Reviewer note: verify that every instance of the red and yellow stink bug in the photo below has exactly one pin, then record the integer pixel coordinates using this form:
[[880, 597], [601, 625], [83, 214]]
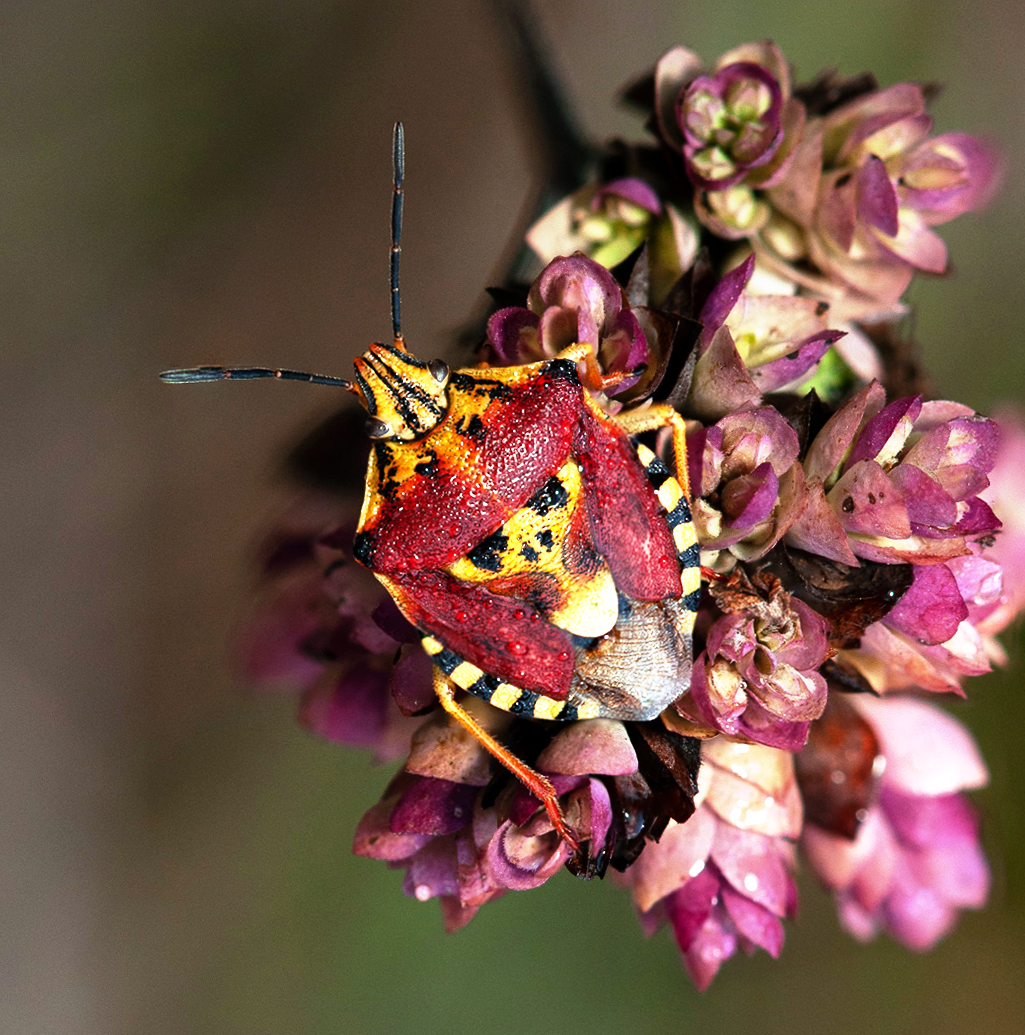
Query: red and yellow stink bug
[[549, 564]]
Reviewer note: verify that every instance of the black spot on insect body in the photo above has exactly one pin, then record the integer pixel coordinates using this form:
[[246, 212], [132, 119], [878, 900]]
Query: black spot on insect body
[[387, 470], [658, 474], [480, 386], [551, 496], [473, 428], [528, 553], [428, 466], [563, 369], [525, 704], [691, 557], [546, 539], [487, 554], [364, 547]]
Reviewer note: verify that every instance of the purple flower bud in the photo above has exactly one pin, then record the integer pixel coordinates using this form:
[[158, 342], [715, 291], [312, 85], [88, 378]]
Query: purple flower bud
[[576, 299], [731, 123], [757, 677]]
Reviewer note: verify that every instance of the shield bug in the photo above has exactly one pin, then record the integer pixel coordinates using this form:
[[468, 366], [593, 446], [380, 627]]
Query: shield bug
[[548, 562]]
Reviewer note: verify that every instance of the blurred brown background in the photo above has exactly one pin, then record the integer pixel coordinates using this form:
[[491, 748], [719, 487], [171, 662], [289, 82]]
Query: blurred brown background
[[209, 182]]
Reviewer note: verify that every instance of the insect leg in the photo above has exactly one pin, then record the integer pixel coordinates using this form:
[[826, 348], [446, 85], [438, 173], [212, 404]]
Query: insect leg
[[581, 352], [537, 784], [661, 415]]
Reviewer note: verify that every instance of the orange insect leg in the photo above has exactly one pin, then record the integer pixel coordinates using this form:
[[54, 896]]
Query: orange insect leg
[[652, 418], [537, 784]]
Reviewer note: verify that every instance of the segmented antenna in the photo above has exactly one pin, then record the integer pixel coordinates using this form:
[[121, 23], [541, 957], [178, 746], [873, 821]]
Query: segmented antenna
[[399, 167], [193, 374]]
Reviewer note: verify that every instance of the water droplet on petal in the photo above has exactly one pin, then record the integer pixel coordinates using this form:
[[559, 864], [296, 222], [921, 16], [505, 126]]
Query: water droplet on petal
[[422, 892], [515, 647], [751, 882]]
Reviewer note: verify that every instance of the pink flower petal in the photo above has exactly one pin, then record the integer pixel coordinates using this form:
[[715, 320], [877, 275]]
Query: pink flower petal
[[867, 502], [916, 243], [772, 376], [950, 174], [678, 856], [673, 72], [876, 196], [818, 529], [375, 839], [689, 907], [750, 498], [832, 442], [721, 383], [348, 709], [432, 871], [432, 806], [754, 865], [754, 922], [927, 751], [932, 609], [446, 751], [714, 943], [884, 435], [723, 298], [837, 860], [513, 335], [519, 862], [633, 190], [592, 746]]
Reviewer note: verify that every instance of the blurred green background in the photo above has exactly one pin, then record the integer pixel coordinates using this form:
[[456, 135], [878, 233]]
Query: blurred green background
[[209, 182]]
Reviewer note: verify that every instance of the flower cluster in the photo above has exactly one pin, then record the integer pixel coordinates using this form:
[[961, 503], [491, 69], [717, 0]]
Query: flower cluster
[[861, 544], [843, 178]]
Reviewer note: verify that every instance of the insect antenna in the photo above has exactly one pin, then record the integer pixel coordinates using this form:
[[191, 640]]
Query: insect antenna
[[193, 374], [398, 174]]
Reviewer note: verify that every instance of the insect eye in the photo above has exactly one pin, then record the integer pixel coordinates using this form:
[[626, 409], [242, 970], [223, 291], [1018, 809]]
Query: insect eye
[[438, 369], [377, 428]]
